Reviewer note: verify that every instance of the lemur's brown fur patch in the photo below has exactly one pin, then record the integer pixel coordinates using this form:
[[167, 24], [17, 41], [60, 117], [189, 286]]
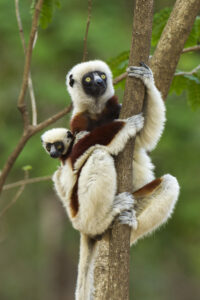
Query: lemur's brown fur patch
[[148, 188], [102, 135], [74, 203], [86, 121], [79, 123]]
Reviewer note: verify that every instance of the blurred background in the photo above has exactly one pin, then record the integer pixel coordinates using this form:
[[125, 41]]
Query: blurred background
[[38, 247]]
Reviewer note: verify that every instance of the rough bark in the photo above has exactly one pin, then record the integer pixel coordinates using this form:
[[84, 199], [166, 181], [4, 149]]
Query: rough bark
[[112, 264], [173, 38]]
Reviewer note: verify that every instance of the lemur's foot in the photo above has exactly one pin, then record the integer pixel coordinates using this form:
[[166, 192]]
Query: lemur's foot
[[123, 202], [128, 217], [144, 73], [136, 122]]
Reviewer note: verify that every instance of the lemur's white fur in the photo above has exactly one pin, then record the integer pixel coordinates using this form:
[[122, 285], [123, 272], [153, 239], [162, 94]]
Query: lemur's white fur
[[56, 135], [94, 216], [97, 181], [161, 206], [80, 100], [154, 112]]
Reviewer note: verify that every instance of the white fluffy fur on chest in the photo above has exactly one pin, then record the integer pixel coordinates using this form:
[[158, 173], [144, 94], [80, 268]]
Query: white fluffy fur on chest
[[64, 180]]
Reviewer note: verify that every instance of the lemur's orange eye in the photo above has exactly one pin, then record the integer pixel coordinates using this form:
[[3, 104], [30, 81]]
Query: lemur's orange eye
[[59, 147], [103, 76], [87, 79]]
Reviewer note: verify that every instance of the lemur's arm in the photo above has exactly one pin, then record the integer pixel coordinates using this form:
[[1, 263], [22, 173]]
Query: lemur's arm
[[154, 109], [113, 136]]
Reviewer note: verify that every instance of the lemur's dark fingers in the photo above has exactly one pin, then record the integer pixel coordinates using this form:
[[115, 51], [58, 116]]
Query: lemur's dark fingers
[[128, 217], [142, 71], [148, 189], [144, 65]]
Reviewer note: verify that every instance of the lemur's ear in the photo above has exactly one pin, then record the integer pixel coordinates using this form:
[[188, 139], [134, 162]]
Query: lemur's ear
[[71, 80], [69, 134]]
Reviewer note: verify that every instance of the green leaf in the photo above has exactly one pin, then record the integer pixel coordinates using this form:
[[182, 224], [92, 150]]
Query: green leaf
[[27, 168], [190, 84], [193, 93], [194, 37], [47, 10], [118, 66], [179, 84], [159, 21]]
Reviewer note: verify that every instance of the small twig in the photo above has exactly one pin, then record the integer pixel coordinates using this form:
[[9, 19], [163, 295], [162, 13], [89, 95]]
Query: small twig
[[51, 120], [189, 49], [87, 30], [30, 84], [27, 65], [33, 101], [17, 195], [19, 22], [25, 182], [195, 70], [120, 78]]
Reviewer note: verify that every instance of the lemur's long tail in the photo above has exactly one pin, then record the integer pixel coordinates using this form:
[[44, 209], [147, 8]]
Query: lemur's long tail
[[84, 287]]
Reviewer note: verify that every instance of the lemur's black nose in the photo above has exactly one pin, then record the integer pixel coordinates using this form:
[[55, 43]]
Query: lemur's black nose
[[99, 81], [54, 154]]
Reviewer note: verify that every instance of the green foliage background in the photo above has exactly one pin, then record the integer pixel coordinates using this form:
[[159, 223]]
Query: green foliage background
[[38, 247]]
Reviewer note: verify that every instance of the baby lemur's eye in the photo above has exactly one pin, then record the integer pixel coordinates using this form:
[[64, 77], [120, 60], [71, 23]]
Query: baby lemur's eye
[[48, 147], [59, 146], [69, 134], [103, 76], [87, 79]]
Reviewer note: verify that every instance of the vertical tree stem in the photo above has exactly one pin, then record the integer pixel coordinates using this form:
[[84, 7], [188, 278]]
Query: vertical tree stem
[[172, 41], [112, 265]]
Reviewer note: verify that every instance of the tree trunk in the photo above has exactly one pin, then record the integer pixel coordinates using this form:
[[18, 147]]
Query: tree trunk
[[172, 41], [111, 275], [112, 264]]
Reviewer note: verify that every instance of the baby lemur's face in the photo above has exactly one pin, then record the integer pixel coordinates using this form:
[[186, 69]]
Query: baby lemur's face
[[57, 141]]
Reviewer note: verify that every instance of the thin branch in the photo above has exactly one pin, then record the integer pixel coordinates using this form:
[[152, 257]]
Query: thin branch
[[28, 57], [189, 49], [87, 30], [17, 195], [30, 84], [33, 101], [51, 120], [25, 182], [19, 22], [119, 78], [195, 70]]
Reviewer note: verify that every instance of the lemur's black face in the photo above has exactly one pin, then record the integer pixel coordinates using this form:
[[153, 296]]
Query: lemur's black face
[[94, 83], [55, 149]]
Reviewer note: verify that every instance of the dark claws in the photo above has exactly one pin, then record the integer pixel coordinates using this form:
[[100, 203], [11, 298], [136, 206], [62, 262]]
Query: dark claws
[[142, 64]]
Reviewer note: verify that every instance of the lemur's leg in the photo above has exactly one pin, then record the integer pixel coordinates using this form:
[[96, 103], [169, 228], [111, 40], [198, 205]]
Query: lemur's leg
[[154, 108], [154, 204], [98, 204]]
